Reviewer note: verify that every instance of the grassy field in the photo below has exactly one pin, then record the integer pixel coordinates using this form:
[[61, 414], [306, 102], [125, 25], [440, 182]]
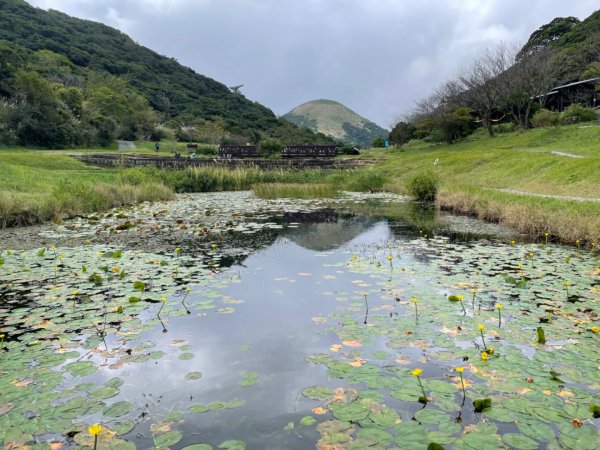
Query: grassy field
[[38, 185], [472, 173]]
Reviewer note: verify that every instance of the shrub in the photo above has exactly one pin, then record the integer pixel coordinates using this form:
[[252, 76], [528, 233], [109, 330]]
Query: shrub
[[270, 147], [349, 149], [508, 127], [545, 118], [206, 150], [577, 113], [423, 186]]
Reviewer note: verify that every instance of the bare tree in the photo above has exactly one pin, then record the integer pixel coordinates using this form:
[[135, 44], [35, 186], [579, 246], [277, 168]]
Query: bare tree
[[442, 109], [528, 81], [481, 84]]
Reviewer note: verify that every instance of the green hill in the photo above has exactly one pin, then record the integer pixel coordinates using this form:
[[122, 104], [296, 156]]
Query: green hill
[[97, 78], [576, 45], [335, 120]]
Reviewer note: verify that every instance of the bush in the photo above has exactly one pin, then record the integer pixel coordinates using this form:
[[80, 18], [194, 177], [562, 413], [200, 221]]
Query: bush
[[508, 127], [545, 118], [577, 113], [270, 147], [423, 186], [206, 150], [349, 149]]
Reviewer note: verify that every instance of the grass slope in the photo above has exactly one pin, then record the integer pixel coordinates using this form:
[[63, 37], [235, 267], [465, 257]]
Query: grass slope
[[472, 172]]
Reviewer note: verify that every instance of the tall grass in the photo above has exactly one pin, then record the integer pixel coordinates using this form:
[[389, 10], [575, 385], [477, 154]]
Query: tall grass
[[209, 179], [71, 198], [566, 221], [294, 190]]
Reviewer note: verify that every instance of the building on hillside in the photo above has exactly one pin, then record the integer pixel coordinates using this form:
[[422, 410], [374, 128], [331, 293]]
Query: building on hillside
[[583, 92]]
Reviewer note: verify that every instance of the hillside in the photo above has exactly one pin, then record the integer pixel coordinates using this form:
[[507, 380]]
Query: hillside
[[85, 56], [334, 119], [576, 45]]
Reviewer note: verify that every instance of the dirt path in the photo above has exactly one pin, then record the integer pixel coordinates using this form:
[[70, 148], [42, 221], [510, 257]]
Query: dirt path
[[558, 197], [568, 155]]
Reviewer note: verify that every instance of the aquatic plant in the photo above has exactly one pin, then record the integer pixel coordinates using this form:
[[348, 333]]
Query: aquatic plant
[[163, 300], [417, 373], [481, 327], [566, 286], [460, 371], [95, 430], [499, 309], [458, 298], [474, 292], [415, 301]]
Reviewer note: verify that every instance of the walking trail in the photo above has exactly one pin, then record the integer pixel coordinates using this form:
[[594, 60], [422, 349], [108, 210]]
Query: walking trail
[[558, 197]]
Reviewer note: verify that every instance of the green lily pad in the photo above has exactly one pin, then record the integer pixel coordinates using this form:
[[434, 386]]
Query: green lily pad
[[193, 376], [351, 412], [520, 441], [233, 445], [308, 421], [167, 439], [118, 409], [319, 393], [250, 379]]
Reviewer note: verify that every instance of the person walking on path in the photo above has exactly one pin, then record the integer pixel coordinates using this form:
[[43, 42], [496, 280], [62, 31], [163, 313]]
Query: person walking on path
[[157, 146]]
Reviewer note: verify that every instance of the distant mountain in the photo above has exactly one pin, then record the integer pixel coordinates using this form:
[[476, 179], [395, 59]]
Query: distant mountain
[[98, 79], [336, 120]]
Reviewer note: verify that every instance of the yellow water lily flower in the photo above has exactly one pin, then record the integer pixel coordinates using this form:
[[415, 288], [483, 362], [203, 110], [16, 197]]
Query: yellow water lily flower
[[416, 372], [95, 429], [163, 299], [414, 300], [484, 356], [498, 306], [595, 330], [480, 327], [460, 369]]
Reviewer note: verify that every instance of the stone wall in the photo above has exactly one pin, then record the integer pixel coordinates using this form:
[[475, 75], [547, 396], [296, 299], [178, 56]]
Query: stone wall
[[165, 162]]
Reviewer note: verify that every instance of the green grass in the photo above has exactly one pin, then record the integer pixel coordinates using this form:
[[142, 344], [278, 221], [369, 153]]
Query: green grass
[[472, 171], [294, 190], [38, 186]]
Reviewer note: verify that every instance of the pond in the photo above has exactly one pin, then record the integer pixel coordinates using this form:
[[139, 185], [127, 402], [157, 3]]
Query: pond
[[226, 321]]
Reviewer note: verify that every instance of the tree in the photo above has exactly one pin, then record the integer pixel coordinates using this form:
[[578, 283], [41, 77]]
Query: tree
[[481, 83], [442, 111], [402, 133], [528, 81], [544, 36], [38, 117]]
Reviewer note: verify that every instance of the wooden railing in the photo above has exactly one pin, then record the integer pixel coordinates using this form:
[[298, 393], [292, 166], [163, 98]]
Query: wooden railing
[[310, 151], [238, 151]]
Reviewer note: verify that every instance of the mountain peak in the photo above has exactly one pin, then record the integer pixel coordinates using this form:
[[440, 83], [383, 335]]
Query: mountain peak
[[336, 120]]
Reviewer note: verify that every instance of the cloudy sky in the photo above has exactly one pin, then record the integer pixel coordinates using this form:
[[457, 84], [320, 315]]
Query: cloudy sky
[[375, 56]]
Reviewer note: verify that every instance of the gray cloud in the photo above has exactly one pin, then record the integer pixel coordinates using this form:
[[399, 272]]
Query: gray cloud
[[375, 56]]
